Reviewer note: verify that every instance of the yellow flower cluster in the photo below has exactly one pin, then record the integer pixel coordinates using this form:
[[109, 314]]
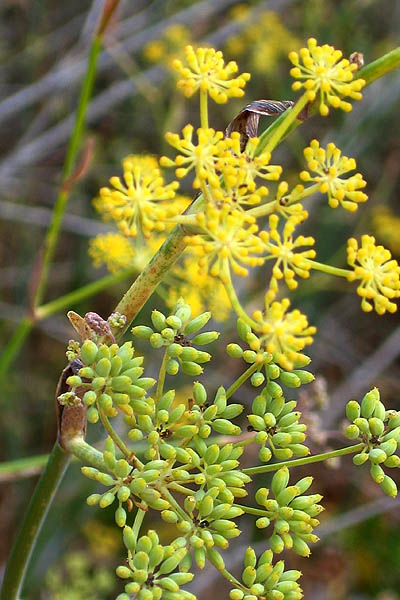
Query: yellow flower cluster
[[139, 200], [228, 239], [284, 334], [112, 249], [264, 42], [326, 73], [207, 71], [378, 272], [282, 249], [286, 204], [169, 46], [328, 167], [387, 227]]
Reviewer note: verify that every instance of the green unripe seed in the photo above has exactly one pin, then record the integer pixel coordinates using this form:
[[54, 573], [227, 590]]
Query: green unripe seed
[[377, 473], [250, 356], [360, 459], [392, 461], [169, 516], [376, 426], [172, 367], [202, 339], [74, 381], [93, 499], [123, 572], [274, 389], [352, 431], [362, 424], [368, 403], [174, 322], [389, 487], [376, 455], [156, 340], [265, 454], [234, 350], [243, 329], [198, 323], [191, 368], [106, 499], [92, 415], [87, 373], [389, 447], [158, 320], [88, 352], [168, 334], [262, 522], [257, 379], [120, 517], [215, 559], [89, 398], [276, 544], [304, 376], [103, 367], [225, 427], [249, 576], [269, 420], [273, 371], [184, 313], [236, 594], [290, 379], [353, 410]]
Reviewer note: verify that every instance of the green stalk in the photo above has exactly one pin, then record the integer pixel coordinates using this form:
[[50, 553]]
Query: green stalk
[[22, 467], [298, 462], [86, 291], [204, 108], [14, 345], [113, 434], [240, 380], [32, 523], [230, 290], [329, 269], [72, 150]]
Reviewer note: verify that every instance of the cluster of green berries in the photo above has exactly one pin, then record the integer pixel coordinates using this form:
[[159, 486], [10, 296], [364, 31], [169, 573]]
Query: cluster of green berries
[[292, 512], [150, 568], [379, 430], [173, 332], [109, 378], [277, 424], [266, 580], [267, 368]]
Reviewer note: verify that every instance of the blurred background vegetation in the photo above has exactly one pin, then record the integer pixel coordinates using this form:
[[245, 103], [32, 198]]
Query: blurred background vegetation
[[43, 54]]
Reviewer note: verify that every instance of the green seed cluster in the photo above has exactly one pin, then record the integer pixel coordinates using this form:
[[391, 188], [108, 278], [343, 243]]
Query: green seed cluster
[[173, 332], [110, 379], [277, 424], [150, 568], [268, 369], [379, 430], [292, 512], [263, 579]]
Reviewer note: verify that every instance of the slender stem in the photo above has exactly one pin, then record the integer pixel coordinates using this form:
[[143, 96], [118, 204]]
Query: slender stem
[[329, 269], [237, 307], [112, 433], [177, 487], [204, 108], [14, 345], [257, 512], [240, 380], [68, 300], [32, 523], [72, 150], [246, 442], [140, 514], [304, 461], [161, 377], [225, 573], [289, 118], [380, 67]]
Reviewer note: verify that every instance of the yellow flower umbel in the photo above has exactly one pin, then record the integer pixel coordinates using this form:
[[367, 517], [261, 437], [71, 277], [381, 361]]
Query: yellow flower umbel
[[328, 166], [140, 199], [113, 250], [326, 73], [378, 272], [228, 240], [387, 226], [284, 334], [282, 248], [206, 70]]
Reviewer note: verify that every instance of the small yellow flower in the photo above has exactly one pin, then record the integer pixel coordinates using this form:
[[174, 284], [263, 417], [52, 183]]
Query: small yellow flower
[[139, 199], [378, 272], [282, 249], [113, 250], [228, 240], [201, 157], [326, 73], [286, 203], [207, 71], [328, 167], [232, 159], [284, 334]]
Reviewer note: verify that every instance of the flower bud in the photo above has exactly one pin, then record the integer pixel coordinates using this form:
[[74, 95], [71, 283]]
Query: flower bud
[[169, 516], [186, 431], [89, 398], [249, 576], [243, 329], [362, 424], [273, 371], [123, 572], [380, 410], [376, 455], [389, 487], [276, 544], [304, 376], [265, 454], [392, 461], [300, 547], [234, 351], [280, 480], [353, 410], [389, 447], [360, 459], [232, 411], [236, 594], [158, 320], [281, 439], [106, 499], [120, 516], [274, 389], [256, 422], [92, 415], [215, 559], [184, 313], [269, 420], [172, 367], [377, 473], [352, 431], [289, 419], [156, 340], [376, 426], [290, 379], [93, 499], [262, 522]]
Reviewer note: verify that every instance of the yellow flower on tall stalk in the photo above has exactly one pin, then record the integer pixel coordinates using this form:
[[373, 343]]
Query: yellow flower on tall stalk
[[206, 70], [283, 248], [284, 334], [228, 240], [140, 200], [324, 72], [328, 167], [378, 272]]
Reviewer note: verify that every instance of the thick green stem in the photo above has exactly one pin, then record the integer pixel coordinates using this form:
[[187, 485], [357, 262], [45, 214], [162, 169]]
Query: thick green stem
[[240, 380], [32, 523], [86, 453], [72, 150], [289, 118], [298, 462]]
